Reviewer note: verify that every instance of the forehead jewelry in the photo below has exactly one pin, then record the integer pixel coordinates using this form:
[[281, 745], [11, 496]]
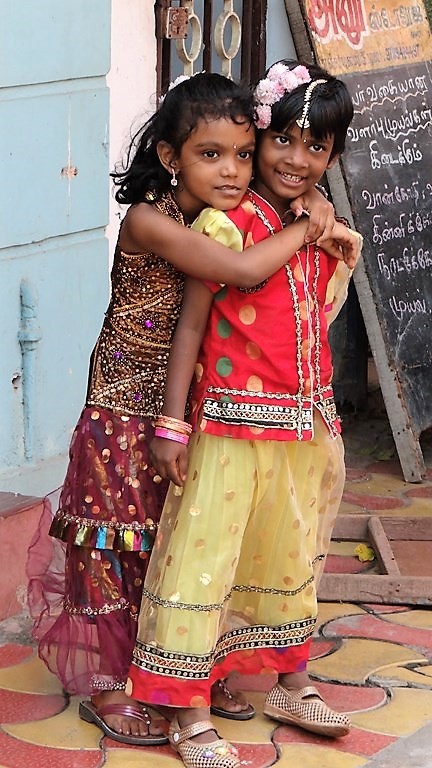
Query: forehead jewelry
[[234, 146], [303, 121]]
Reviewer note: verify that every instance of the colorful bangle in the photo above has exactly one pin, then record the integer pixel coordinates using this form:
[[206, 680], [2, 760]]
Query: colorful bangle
[[168, 434], [176, 425]]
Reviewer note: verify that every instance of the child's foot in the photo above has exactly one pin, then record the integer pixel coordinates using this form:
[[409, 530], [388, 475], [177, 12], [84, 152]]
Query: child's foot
[[305, 708], [229, 703], [123, 719], [193, 736]]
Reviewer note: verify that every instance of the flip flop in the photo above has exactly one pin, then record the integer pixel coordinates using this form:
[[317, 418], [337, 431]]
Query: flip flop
[[89, 713], [244, 714]]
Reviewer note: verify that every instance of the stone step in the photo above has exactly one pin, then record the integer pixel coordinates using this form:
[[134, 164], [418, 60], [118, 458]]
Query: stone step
[[19, 518]]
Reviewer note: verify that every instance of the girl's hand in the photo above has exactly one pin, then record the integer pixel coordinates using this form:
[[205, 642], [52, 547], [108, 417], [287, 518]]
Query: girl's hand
[[320, 211], [344, 244], [170, 459]]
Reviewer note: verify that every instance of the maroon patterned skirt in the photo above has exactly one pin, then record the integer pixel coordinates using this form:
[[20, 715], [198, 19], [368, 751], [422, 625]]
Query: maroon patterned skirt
[[87, 564]]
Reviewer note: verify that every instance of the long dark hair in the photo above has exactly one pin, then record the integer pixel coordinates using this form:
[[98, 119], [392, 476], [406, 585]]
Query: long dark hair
[[330, 110], [204, 96]]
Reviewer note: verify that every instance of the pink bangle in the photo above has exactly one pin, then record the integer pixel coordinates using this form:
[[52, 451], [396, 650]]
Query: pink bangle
[[168, 434]]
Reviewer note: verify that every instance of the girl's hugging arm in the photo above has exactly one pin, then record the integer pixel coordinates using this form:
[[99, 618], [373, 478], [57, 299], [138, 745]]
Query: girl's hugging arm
[[344, 244], [320, 212], [168, 457], [144, 230], [337, 288]]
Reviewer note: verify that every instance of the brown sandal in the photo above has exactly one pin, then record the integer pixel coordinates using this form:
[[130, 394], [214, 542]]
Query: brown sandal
[[91, 714], [305, 707], [214, 754]]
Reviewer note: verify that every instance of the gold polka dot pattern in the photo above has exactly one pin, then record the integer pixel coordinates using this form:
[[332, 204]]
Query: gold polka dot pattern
[[263, 552]]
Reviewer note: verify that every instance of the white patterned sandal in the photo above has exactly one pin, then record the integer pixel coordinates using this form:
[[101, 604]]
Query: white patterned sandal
[[305, 708], [214, 754]]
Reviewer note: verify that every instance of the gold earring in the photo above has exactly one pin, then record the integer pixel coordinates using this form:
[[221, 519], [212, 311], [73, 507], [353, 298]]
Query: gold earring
[[174, 181]]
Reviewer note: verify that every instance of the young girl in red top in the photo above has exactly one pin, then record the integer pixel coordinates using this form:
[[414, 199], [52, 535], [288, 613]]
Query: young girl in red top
[[86, 593], [249, 514]]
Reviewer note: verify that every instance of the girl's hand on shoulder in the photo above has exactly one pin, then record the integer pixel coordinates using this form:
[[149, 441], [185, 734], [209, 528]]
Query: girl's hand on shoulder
[[170, 459], [344, 244], [320, 212]]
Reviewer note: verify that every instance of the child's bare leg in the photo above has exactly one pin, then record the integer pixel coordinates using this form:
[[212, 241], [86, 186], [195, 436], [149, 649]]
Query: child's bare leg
[[295, 679], [189, 716]]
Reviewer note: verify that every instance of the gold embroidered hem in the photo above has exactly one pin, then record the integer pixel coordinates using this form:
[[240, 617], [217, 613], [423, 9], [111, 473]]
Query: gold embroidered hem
[[200, 667], [122, 605], [292, 415]]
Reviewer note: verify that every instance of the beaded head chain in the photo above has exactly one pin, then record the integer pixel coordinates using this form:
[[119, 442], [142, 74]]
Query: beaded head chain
[[280, 80]]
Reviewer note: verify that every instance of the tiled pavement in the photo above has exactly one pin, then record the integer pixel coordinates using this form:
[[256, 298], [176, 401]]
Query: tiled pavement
[[374, 661]]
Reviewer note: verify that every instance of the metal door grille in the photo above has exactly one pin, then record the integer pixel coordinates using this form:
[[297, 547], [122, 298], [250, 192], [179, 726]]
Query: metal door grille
[[226, 36]]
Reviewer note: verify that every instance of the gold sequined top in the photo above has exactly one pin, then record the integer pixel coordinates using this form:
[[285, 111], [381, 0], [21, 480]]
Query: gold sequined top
[[128, 364]]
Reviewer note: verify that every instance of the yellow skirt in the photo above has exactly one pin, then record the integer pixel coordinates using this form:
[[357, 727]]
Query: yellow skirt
[[238, 552]]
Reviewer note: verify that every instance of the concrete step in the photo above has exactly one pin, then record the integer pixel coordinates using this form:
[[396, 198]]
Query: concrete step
[[19, 518]]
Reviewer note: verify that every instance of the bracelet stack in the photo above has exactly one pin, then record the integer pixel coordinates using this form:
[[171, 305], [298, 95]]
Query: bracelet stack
[[172, 429]]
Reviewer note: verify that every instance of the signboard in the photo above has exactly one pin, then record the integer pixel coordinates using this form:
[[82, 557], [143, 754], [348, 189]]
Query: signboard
[[383, 52]]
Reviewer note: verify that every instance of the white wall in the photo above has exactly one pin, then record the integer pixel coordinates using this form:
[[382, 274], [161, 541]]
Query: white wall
[[131, 80]]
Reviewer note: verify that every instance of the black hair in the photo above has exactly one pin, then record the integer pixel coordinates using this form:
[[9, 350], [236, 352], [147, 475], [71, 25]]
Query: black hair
[[205, 96], [330, 110]]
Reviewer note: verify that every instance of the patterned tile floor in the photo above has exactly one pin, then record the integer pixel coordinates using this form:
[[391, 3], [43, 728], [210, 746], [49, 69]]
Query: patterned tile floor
[[373, 661]]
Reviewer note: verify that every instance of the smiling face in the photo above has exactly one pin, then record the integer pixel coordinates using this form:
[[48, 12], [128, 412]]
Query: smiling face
[[214, 166], [289, 164]]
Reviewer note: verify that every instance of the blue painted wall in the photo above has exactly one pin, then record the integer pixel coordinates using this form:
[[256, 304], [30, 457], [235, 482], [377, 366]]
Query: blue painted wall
[[54, 113]]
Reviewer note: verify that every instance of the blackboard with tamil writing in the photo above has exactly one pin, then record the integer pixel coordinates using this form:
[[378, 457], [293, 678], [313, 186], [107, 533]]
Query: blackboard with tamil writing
[[388, 171], [383, 51]]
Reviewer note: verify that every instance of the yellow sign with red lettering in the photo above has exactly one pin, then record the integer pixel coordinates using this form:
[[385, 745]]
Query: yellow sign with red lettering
[[362, 35]]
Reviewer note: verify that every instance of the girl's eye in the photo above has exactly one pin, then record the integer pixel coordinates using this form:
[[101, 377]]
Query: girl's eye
[[317, 148], [281, 139], [246, 155], [211, 153]]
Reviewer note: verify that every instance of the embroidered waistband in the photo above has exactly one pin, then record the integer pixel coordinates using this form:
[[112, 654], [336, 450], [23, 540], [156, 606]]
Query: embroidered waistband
[[291, 418]]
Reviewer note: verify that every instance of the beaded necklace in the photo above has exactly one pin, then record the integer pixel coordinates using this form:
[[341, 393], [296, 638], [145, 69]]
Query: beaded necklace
[[312, 312]]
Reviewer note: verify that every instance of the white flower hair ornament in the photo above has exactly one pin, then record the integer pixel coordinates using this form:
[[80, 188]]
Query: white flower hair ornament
[[279, 81], [177, 81], [173, 83]]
